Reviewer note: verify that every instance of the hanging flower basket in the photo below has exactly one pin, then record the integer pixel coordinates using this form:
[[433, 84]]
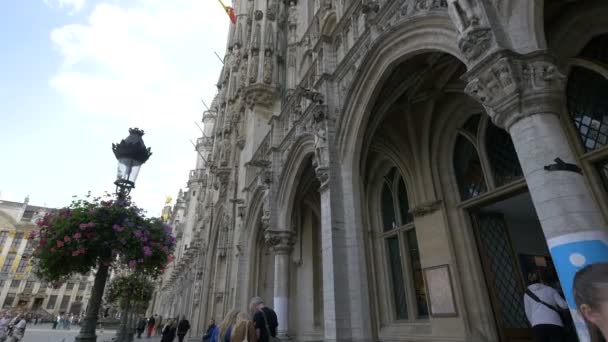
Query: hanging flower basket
[[89, 233]]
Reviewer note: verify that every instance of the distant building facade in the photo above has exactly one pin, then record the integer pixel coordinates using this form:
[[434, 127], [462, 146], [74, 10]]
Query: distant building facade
[[393, 170], [19, 287]]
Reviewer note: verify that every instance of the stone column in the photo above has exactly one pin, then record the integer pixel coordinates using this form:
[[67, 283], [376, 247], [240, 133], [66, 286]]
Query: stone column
[[282, 242], [524, 95]]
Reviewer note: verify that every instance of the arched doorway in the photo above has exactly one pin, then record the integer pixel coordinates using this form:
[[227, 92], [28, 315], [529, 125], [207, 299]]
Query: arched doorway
[[263, 266], [306, 320]]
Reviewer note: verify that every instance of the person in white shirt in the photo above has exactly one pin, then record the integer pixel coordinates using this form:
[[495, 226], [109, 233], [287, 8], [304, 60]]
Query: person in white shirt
[[18, 329], [542, 303]]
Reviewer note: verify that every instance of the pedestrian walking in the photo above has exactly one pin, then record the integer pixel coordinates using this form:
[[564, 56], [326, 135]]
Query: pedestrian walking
[[168, 332], [4, 323], [264, 319], [56, 322], [223, 332], [151, 322], [159, 325], [18, 329], [591, 296], [542, 304], [182, 328], [244, 330], [141, 327], [210, 328]]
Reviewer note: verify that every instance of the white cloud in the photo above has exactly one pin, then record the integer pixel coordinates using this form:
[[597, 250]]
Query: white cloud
[[145, 63], [72, 5]]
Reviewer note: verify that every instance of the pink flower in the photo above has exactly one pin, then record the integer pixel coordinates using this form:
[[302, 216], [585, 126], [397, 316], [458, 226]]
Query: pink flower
[[60, 243], [132, 264], [77, 236], [76, 252], [53, 249], [66, 238], [82, 226], [147, 251], [118, 228]]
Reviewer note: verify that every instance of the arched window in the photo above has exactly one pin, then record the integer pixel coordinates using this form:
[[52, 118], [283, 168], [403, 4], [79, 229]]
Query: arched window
[[502, 166], [587, 97], [402, 255]]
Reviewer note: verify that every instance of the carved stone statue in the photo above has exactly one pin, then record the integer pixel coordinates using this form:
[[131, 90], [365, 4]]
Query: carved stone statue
[[269, 38], [464, 14], [253, 70], [320, 132], [243, 72], [227, 149], [268, 66]]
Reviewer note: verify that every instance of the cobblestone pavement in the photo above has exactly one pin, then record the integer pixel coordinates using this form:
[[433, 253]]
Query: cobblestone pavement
[[44, 333]]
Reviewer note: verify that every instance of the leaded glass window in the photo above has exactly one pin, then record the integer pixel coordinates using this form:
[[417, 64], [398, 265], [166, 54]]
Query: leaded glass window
[[478, 170], [587, 98], [405, 279], [502, 156], [469, 172], [588, 106]]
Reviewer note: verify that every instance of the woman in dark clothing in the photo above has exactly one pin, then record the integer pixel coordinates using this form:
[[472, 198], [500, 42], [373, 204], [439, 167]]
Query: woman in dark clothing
[[182, 328], [141, 327], [169, 332]]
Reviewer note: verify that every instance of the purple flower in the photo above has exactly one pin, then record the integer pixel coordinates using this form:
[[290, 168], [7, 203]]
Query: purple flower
[[118, 228], [147, 251], [137, 234], [132, 263]]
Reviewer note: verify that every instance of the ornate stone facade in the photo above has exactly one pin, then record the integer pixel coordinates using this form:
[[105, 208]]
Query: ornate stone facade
[[355, 148]]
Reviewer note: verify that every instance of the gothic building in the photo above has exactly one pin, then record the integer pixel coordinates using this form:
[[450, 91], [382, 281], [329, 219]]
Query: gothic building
[[393, 170]]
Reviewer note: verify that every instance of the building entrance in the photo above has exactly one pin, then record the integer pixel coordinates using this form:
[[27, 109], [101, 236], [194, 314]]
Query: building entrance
[[511, 245]]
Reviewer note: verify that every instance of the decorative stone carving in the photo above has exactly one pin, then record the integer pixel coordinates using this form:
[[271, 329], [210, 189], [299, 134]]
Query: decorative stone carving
[[281, 241], [508, 82], [243, 73], [475, 42], [321, 155], [253, 69], [265, 220], [260, 94], [426, 208], [475, 36], [271, 12], [269, 38], [370, 6], [256, 41], [268, 66], [258, 15]]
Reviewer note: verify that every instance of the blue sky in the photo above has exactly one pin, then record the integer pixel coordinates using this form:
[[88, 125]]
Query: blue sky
[[76, 74]]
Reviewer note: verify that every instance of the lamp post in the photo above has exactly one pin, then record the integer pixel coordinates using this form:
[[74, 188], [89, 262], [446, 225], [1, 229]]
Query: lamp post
[[131, 154]]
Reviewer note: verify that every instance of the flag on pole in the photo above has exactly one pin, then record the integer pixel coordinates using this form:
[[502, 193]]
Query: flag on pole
[[230, 11]]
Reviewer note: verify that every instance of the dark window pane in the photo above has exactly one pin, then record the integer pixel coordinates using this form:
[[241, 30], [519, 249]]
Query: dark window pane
[[597, 49], [587, 94], [467, 166], [396, 270], [472, 124], [602, 167], [389, 218], [421, 304], [502, 156], [51, 303], [404, 205]]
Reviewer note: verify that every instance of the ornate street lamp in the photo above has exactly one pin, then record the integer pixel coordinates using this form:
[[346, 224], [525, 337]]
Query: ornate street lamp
[[131, 154]]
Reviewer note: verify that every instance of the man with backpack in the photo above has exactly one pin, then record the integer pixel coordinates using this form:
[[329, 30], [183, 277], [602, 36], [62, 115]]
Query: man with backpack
[[543, 305]]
